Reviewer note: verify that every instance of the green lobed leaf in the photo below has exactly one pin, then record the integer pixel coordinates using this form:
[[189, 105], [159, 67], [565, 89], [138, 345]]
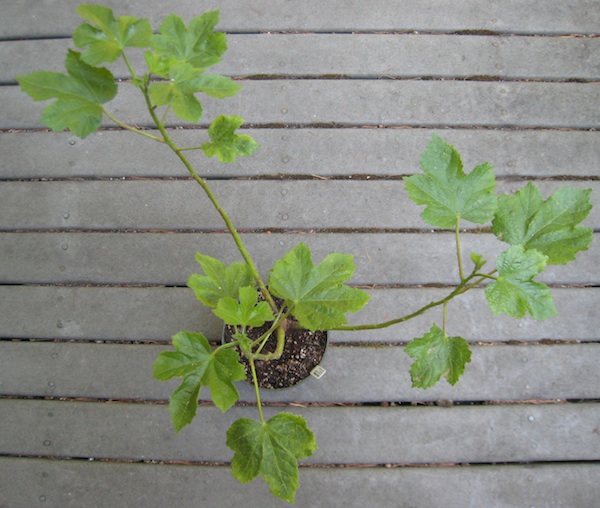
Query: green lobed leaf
[[272, 450], [185, 81], [79, 95], [199, 366], [107, 37], [514, 292], [197, 45], [437, 355], [317, 294], [447, 192], [246, 311], [220, 280], [225, 143], [549, 226]]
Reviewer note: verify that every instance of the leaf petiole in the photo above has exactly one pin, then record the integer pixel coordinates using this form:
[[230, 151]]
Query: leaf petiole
[[132, 129], [458, 249], [256, 389]]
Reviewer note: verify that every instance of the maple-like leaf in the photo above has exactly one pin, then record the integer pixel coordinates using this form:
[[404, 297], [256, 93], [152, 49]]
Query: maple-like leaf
[[107, 36], [317, 294], [246, 311], [515, 292], [271, 450], [437, 355], [225, 143], [184, 82], [79, 95], [197, 45], [199, 366], [220, 280], [447, 192], [549, 226]]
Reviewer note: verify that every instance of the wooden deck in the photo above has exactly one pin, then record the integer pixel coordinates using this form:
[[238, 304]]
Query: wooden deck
[[97, 240]]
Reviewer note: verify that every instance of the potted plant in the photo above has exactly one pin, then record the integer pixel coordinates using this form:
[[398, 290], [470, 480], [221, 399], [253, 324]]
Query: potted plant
[[263, 317]]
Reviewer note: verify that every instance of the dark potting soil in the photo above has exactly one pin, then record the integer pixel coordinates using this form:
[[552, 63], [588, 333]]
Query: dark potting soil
[[302, 352]]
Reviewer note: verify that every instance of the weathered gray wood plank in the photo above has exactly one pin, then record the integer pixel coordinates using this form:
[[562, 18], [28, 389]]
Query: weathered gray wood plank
[[358, 56], [504, 433], [44, 19], [304, 204], [155, 313], [354, 374], [86, 484], [326, 152], [168, 259], [373, 102]]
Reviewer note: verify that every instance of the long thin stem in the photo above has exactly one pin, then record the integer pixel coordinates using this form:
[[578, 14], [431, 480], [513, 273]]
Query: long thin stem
[[463, 287], [256, 389], [458, 250], [230, 227], [132, 129]]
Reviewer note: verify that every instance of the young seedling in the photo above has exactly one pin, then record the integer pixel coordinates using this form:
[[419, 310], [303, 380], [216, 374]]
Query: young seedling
[[539, 232]]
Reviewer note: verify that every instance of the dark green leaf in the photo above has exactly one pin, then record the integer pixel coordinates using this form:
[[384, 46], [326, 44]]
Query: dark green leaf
[[246, 311], [183, 404], [317, 294], [515, 293], [198, 45], [550, 226], [437, 355], [220, 280], [271, 449], [80, 95], [225, 143], [107, 37], [449, 194]]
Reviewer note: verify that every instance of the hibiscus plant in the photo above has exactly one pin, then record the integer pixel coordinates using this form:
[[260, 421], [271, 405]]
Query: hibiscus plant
[[537, 232]]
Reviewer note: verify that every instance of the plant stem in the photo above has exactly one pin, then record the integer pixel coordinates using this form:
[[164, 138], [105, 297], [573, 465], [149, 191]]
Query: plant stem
[[458, 250], [132, 129], [445, 316], [461, 288], [230, 227], [256, 389]]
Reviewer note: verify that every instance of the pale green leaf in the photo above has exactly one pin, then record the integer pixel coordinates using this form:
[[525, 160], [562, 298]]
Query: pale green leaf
[[199, 45], [271, 450], [199, 366], [79, 95], [317, 294], [246, 311], [225, 143], [549, 226], [107, 37], [437, 355], [220, 280], [448, 193], [515, 292]]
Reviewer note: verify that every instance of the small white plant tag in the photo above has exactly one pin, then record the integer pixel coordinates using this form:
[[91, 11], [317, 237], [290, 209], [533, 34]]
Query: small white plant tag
[[318, 372]]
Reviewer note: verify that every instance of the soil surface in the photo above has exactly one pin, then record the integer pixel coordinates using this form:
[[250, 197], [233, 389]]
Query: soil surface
[[302, 352]]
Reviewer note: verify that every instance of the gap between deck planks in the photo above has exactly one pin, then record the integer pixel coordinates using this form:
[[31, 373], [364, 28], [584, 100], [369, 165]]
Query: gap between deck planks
[[323, 152], [346, 435], [356, 374], [404, 56], [155, 314], [504, 16]]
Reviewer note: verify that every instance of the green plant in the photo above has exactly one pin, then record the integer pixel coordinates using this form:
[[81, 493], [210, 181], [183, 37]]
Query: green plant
[[539, 233]]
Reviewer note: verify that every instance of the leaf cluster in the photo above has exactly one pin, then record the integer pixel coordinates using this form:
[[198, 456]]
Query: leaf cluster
[[540, 233], [177, 58]]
